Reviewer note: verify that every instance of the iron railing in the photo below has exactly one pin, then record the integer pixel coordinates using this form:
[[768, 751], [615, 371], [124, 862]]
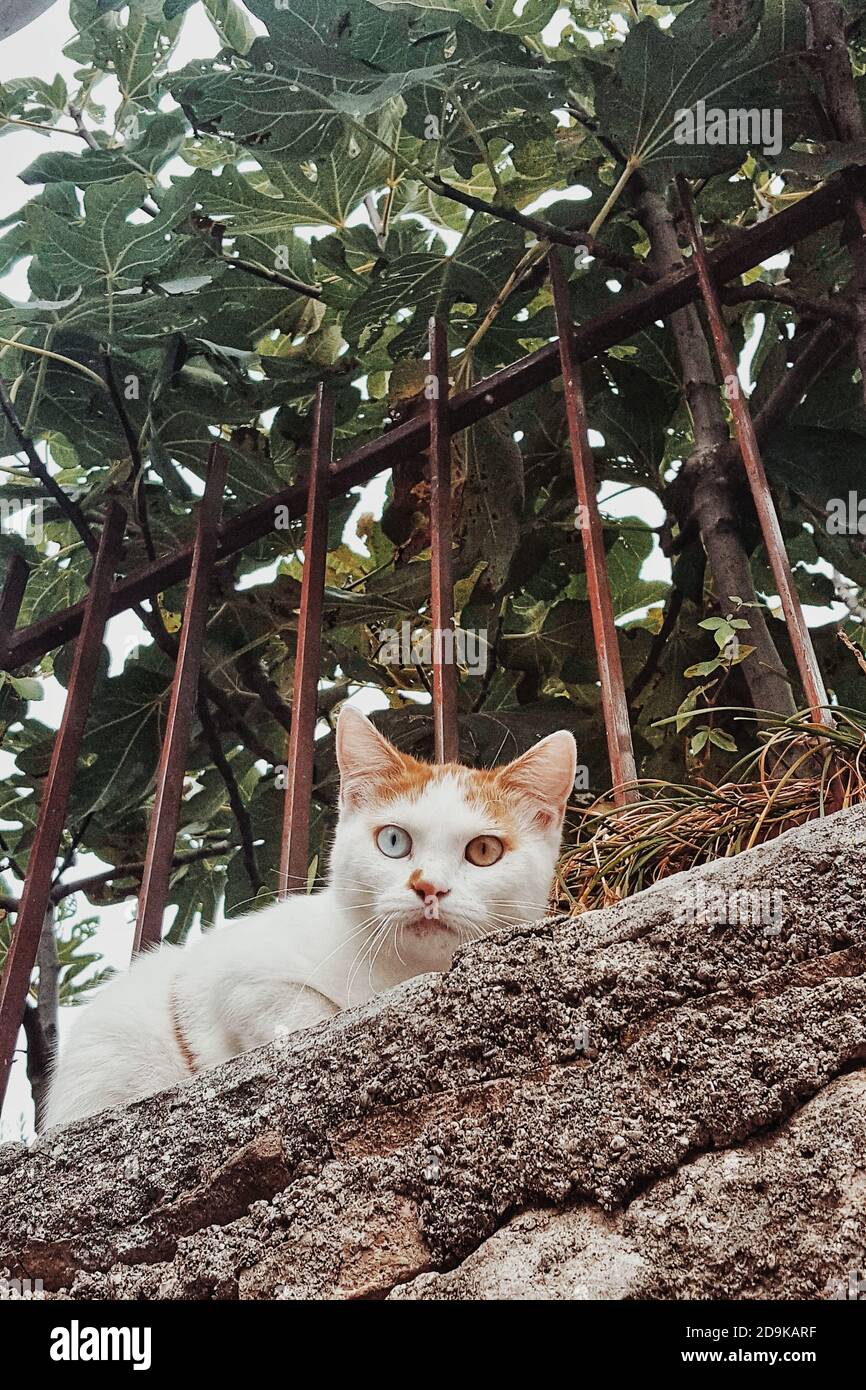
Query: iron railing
[[430, 431]]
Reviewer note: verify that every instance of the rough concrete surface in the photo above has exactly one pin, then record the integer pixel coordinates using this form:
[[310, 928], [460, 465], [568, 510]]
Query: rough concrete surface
[[633, 1104]]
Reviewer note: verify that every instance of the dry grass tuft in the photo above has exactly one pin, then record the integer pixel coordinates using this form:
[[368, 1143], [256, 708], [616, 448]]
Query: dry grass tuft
[[804, 769]]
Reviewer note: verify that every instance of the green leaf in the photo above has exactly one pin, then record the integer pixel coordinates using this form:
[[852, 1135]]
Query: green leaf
[[108, 247], [497, 16], [704, 668], [32, 99], [26, 687], [427, 284], [160, 139], [173, 9], [632, 544], [288, 195], [723, 740], [292, 112], [818, 463], [231, 23], [541, 639], [657, 75], [783, 26]]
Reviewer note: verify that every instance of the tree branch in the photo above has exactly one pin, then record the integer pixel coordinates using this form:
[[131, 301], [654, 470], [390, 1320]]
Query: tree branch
[[40, 1021], [81, 128], [138, 479], [806, 307], [131, 870], [267, 692], [69, 857], [823, 348], [659, 642], [151, 618], [134, 870], [273, 277], [705, 482], [545, 231], [10, 860], [47, 1007], [167, 643], [830, 52], [38, 470], [236, 802], [39, 1059], [212, 233]]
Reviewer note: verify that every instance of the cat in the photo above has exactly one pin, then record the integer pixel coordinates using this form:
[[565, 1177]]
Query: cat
[[424, 858]]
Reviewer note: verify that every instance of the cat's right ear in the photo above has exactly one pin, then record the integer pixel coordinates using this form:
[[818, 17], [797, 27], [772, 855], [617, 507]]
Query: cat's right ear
[[364, 756]]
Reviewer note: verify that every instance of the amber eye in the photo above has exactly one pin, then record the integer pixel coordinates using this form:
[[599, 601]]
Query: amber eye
[[394, 841], [484, 850]]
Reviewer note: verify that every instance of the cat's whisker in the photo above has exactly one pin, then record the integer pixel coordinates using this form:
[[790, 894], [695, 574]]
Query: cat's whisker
[[517, 902], [342, 882], [477, 930], [351, 907], [504, 918], [354, 968], [244, 903], [361, 928], [371, 896], [384, 936], [375, 944], [364, 948], [397, 944], [325, 880]]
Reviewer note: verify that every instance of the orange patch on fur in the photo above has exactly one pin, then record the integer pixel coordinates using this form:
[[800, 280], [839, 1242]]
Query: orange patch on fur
[[484, 787]]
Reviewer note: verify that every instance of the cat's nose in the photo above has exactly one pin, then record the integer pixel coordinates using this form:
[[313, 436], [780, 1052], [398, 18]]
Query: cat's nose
[[425, 889]]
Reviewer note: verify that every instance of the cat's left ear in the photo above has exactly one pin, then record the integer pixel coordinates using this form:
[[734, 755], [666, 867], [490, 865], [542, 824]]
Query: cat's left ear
[[364, 756], [544, 776]]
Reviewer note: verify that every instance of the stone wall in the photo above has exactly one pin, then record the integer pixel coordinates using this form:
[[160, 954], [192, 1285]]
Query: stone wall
[[631, 1104]]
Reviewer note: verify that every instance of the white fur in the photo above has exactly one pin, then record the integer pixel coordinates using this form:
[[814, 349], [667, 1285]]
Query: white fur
[[303, 960]]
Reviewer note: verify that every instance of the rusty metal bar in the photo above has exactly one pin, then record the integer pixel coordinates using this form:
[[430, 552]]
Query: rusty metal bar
[[308, 657], [445, 739], [172, 759], [10, 603], [34, 904], [616, 325], [614, 704], [744, 430]]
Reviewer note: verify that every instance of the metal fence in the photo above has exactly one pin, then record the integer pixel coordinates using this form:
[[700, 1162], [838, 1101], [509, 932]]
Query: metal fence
[[701, 279]]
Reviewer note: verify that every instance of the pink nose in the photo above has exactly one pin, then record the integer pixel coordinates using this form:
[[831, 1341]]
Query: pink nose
[[429, 895], [428, 891]]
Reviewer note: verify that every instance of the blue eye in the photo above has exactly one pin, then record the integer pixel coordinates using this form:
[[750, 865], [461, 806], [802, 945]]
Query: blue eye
[[394, 841]]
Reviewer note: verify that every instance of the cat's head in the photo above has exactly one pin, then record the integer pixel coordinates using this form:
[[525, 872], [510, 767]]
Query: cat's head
[[438, 855]]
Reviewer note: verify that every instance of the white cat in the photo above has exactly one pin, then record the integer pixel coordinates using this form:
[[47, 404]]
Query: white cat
[[424, 858]]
